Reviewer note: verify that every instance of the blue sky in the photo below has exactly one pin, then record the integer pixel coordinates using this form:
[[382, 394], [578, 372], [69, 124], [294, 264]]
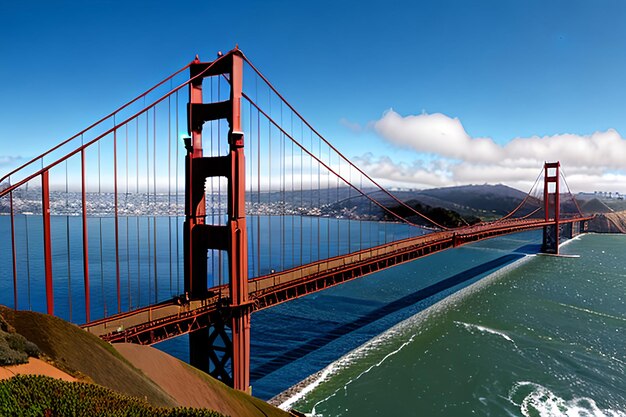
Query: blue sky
[[382, 80]]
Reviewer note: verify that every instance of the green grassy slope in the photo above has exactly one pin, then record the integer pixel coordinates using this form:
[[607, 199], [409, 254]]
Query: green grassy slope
[[84, 355]]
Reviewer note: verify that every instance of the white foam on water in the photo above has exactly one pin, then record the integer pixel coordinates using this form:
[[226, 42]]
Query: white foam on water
[[483, 329], [568, 241], [351, 357], [538, 401], [597, 313]]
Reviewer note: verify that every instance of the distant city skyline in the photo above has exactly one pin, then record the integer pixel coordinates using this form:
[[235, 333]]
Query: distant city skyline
[[418, 94]]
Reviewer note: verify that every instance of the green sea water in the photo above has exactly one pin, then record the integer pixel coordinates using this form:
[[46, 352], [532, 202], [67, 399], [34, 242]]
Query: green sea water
[[545, 336]]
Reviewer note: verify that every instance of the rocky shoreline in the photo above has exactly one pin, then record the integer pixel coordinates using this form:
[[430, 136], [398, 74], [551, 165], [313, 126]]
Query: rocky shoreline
[[279, 399]]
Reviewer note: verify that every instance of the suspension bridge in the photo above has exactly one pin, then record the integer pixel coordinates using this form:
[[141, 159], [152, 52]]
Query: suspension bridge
[[140, 236]]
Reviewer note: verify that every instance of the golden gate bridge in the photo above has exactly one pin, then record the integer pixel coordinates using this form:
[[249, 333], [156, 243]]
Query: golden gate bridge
[[293, 218]]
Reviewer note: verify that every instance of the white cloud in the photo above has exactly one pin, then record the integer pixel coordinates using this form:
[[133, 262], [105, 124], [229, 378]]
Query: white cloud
[[591, 162], [415, 175], [437, 134]]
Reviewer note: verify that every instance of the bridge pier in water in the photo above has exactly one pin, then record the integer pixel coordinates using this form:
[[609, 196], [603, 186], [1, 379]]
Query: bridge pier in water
[[222, 349], [552, 201]]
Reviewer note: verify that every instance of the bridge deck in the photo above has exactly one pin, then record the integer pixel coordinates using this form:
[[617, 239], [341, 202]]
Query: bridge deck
[[169, 319]]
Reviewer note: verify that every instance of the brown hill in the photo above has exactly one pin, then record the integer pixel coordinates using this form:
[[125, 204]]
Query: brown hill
[[137, 371], [609, 223], [191, 387], [84, 356]]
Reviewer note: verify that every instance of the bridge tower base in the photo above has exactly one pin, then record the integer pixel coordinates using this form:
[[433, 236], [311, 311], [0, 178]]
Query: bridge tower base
[[552, 201], [223, 349]]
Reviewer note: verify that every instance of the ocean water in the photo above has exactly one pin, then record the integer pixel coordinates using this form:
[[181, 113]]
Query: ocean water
[[544, 336], [150, 257], [294, 340]]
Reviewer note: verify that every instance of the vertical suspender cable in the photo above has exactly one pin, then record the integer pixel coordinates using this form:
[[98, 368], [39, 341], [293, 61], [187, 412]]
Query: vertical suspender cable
[[85, 238], [137, 215], [30, 307], [177, 226], [67, 236], [361, 218], [14, 257], [169, 183], [258, 223], [149, 240], [269, 189], [282, 199], [130, 304], [104, 301], [293, 196], [117, 243], [319, 195], [349, 212], [282, 189], [337, 210], [154, 202]]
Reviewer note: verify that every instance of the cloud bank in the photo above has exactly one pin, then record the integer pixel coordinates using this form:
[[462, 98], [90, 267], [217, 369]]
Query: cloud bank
[[591, 162]]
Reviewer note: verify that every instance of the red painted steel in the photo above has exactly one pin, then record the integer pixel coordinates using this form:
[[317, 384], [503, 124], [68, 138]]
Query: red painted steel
[[47, 246], [85, 237], [117, 235], [208, 312], [552, 207], [238, 241], [14, 257], [195, 262]]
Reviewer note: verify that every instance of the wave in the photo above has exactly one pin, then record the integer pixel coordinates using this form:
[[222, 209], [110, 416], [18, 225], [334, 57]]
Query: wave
[[596, 313], [309, 384], [484, 329], [538, 401]]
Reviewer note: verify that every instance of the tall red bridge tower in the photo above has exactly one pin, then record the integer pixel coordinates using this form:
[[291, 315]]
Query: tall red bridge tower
[[552, 202], [226, 342]]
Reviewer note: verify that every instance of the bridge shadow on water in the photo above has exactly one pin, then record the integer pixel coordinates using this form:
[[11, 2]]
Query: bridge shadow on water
[[399, 304]]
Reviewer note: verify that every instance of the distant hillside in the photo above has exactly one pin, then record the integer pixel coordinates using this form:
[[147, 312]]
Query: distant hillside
[[439, 215], [497, 199], [594, 206], [469, 201], [609, 223]]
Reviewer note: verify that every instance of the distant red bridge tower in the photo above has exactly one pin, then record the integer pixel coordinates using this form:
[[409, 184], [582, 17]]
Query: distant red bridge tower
[[552, 201]]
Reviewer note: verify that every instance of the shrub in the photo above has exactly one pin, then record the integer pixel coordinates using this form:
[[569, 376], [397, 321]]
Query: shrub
[[14, 348], [9, 356], [34, 395]]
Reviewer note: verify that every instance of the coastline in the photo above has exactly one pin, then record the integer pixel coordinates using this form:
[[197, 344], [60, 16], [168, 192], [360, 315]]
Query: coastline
[[293, 394]]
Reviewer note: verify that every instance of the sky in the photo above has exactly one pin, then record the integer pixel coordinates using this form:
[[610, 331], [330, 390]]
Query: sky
[[419, 94]]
